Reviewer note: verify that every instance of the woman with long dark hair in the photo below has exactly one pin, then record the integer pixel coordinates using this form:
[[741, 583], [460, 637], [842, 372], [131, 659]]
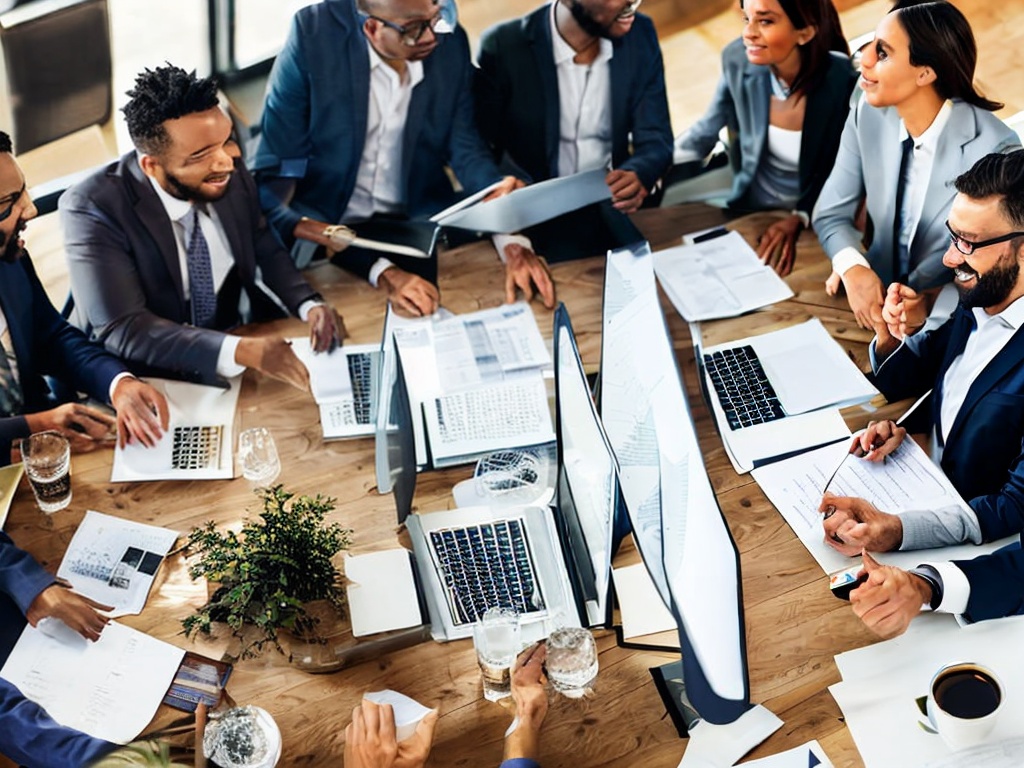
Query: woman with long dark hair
[[784, 94], [920, 124]]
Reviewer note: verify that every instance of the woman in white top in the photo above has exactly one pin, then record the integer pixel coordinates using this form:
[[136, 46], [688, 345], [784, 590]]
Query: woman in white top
[[784, 95], [921, 119]]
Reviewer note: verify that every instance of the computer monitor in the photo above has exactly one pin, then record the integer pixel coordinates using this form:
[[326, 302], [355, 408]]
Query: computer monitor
[[588, 488], [395, 443]]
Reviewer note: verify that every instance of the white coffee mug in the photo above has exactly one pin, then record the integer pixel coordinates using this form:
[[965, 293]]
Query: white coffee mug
[[964, 701]]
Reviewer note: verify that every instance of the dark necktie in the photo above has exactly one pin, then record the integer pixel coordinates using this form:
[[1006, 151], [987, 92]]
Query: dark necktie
[[200, 276], [11, 401], [900, 254]]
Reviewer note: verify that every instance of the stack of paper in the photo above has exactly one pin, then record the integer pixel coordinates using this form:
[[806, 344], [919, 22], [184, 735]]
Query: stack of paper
[[722, 277]]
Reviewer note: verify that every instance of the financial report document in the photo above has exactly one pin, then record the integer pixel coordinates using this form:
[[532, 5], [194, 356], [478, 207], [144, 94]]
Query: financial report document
[[907, 480], [716, 278]]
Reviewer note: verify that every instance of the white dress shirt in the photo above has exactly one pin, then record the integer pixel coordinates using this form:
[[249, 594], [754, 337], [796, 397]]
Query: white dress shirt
[[379, 180], [221, 262], [919, 172]]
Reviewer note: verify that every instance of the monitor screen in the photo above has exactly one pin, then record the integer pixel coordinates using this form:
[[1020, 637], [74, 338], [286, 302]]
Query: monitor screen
[[395, 444], [588, 483]]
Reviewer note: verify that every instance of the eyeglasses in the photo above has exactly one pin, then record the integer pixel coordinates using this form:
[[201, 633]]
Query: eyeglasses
[[10, 201], [629, 9], [966, 247], [413, 31]]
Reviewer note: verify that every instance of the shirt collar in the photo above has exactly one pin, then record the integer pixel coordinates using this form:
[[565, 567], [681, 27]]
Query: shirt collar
[[415, 68], [176, 209], [564, 52], [1012, 317], [930, 138]]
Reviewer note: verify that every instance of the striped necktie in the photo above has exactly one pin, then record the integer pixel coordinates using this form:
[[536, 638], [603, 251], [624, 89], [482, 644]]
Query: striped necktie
[[200, 276], [11, 400]]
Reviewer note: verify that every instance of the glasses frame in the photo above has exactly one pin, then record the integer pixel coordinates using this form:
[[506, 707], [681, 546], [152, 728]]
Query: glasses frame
[[971, 247], [6, 212], [414, 30]]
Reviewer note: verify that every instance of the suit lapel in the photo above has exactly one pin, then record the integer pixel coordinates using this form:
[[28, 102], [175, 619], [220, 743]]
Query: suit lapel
[[19, 320], [154, 217], [231, 214], [620, 68], [538, 32], [959, 131], [757, 85], [422, 95]]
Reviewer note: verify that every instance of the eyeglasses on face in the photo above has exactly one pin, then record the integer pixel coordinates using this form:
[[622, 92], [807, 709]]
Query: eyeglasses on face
[[967, 247], [414, 30], [7, 203]]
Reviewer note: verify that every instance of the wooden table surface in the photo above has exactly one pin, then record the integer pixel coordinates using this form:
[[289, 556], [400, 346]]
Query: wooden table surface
[[794, 626]]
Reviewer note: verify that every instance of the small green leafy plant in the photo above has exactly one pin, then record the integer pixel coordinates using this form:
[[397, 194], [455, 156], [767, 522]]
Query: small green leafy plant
[[269, 570]]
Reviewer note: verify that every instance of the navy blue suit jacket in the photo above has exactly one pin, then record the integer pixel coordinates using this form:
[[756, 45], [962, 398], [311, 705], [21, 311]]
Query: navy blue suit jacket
[[983, 455], [517, 98], [315, 115], [46, 345]]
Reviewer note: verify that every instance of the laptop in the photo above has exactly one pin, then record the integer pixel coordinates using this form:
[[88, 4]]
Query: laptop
[[346, 386], [779, 392], [551, 564]]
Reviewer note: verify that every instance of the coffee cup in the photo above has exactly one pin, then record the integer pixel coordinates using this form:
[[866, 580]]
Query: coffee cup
[[964, 700]]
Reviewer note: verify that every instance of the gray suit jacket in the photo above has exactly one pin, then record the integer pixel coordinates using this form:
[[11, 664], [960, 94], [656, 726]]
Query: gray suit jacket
[[126, 275], [741, 103], [869, 161]]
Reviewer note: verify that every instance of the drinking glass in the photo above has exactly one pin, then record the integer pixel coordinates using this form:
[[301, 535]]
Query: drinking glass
[[496, 639], [572, 661], [47, 459], [258, 456]]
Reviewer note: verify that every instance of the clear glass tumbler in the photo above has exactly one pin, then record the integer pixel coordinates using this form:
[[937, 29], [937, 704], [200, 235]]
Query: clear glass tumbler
[[496, 639], [47, 459], [572, 661], [258, 456]]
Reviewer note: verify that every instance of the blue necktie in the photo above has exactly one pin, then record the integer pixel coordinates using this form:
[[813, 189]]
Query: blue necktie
[[901, 255], [200, 276]]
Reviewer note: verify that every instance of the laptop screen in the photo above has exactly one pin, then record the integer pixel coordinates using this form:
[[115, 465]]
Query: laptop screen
[[588, 482], [395, 444]]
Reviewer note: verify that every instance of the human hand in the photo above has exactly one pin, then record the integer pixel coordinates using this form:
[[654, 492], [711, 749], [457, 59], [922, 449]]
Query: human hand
[[890, 598], [86, 428], [865, 293], [904, 311], [326, 328], [531, 702], [77, 611], [410, 294], [370, 740], [853, 525], [524, 269], [628, 192], [273, 356], [334, 237], [777, 246], [142, 412], [832, 284], [877, 441], [506, 186]]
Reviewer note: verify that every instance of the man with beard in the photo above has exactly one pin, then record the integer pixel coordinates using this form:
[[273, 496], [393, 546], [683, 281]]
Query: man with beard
[[974, 363], [36, 342], [164, 246], [577, 85], [368, 112]]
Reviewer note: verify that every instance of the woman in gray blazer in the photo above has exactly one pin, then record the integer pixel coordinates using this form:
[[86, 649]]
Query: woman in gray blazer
[[784, 94], [920, 119]]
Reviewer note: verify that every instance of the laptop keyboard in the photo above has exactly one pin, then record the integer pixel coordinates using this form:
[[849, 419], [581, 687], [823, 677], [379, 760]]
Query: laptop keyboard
[[743, 389], [360, 368], [486, 566]]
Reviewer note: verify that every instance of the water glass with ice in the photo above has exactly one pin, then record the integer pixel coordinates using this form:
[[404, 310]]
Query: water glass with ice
[[496, 639], [258, 456], [47, 459], [572, 661]]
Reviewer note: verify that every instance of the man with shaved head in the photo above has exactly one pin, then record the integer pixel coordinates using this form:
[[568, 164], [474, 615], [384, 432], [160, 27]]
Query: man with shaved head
[[368, 106]]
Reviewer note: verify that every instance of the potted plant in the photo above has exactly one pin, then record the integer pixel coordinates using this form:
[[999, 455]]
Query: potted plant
[[265, 576]]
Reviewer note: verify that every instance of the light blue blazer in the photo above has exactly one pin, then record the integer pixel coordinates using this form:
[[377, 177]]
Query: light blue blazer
[[868, 162]]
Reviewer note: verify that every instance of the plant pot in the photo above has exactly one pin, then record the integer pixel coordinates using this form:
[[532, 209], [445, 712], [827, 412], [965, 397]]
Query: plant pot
[[326, 648]]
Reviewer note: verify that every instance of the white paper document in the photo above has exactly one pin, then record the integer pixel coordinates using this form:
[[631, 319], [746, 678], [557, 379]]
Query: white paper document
[[640, 605], [114, 561], [381, 592], [809, 755], [881, 683], [408, 712], [10, 476], [109, 689], [908, 479], [198, 444], [722, 277], [714, 746], [346, 386], [532, 204]]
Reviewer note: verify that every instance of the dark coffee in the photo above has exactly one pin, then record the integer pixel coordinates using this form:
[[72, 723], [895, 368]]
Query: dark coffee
[[967, 693]]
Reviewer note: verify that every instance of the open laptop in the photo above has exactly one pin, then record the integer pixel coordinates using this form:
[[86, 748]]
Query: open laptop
[[346, 386], [779, 392], [551, 564]]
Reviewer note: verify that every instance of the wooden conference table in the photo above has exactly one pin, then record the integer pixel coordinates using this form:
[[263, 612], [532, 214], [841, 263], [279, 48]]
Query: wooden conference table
[[794, 626]]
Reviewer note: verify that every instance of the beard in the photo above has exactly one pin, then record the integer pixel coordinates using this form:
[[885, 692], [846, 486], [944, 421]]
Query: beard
[[992, 288], [11, 250], [183, 191], [587, 22]]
